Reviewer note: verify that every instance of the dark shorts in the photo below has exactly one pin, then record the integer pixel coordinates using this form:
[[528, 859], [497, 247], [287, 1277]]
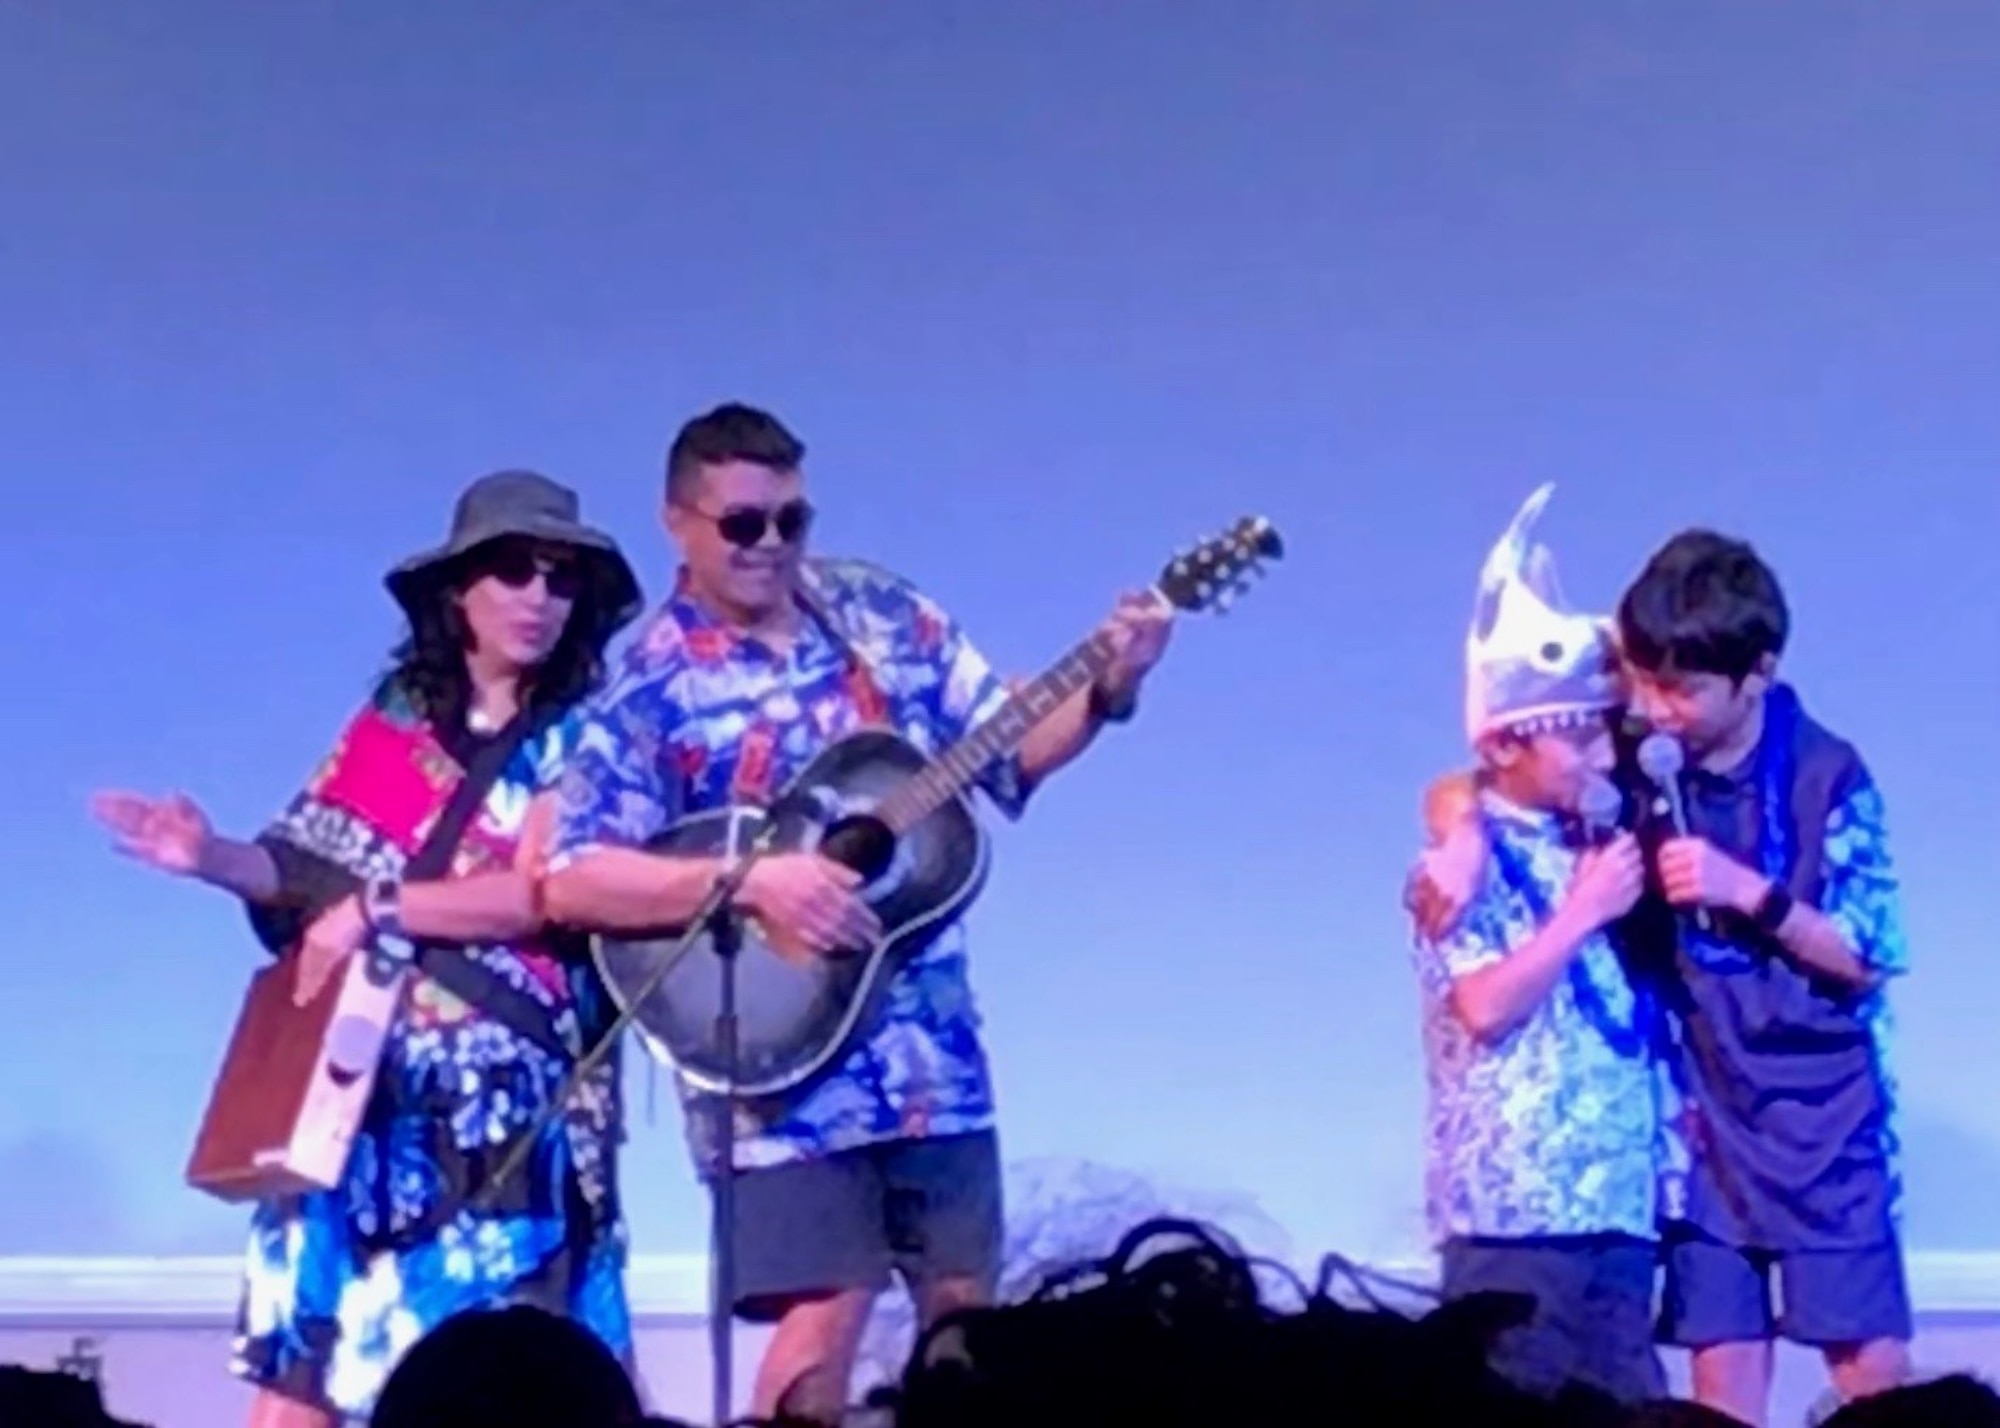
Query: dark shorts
[[1593, 1319], [923, 1209], [1718, 1294]]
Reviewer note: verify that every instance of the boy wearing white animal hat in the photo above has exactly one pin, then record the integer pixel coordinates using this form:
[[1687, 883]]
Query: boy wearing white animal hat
[[1544, 1120]]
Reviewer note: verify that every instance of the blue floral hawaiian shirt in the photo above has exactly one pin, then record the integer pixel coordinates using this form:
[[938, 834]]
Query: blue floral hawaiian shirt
[[698, 717], [1555, 1129]]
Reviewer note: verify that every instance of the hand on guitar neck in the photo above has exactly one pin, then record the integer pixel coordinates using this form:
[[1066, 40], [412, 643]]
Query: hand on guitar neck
[[805, 905]]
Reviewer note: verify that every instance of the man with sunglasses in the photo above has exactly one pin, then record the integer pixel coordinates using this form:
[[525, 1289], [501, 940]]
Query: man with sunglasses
[[760, 658]]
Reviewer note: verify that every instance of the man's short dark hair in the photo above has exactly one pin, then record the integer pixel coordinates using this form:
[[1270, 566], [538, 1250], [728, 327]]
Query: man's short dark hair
[[1705, 604], [731, 432]]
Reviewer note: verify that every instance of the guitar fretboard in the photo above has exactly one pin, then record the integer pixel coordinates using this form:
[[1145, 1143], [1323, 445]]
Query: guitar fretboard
[[959, 767]]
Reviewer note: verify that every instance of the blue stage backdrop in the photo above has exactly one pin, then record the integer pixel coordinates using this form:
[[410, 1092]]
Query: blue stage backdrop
[[1049, 289]]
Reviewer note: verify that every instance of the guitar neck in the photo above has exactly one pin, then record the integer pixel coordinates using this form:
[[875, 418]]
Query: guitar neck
[[959, 767]]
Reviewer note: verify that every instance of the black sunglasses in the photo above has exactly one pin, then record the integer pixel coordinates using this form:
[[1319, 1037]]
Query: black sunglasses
[[516, 567], [744, 526]]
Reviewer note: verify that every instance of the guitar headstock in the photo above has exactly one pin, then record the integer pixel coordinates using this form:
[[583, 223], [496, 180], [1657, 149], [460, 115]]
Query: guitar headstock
[[1214, 572]]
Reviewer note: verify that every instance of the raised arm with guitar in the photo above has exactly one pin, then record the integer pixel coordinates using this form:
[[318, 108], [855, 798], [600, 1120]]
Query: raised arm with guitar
[[903, 822]]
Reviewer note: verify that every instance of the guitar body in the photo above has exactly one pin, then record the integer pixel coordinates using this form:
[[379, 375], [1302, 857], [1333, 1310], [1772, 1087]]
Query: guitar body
[[797, 1016]]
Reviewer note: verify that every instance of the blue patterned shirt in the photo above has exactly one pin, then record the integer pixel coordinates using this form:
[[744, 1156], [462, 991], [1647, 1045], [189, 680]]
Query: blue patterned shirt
[[1554, 1129], [1863, 897], [697, 718]]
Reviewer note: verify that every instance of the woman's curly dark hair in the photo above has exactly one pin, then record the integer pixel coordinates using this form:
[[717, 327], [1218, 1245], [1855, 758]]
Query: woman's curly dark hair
[[428, 664]]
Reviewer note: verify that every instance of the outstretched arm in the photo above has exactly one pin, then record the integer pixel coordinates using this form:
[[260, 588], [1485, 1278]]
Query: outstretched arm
[[246, 870], [175, 836]]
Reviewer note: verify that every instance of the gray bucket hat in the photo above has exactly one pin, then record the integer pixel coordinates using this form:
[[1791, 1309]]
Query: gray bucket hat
[[522, 504]]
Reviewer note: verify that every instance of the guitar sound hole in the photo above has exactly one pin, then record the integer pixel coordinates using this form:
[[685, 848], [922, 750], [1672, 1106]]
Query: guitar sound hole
[[861, 843]]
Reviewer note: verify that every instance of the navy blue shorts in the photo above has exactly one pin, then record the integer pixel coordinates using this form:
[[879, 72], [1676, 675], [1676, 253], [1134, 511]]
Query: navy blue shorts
[[1719, 1294], [923, 1209], [1593, 1320]]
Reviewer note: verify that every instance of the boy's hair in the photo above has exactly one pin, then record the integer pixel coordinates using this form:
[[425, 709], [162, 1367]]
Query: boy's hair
[[1704, 604]]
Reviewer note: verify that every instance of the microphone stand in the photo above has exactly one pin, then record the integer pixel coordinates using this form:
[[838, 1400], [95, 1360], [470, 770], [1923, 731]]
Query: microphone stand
[[716, 916], [727, 939]]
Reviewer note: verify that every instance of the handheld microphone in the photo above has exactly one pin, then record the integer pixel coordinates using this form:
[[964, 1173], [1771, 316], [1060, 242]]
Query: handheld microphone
[[1598, 809], [1661, 760]]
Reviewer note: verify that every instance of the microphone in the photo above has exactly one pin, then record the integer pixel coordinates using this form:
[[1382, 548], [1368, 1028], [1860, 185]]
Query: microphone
[[1661, 760], [1598, 809]]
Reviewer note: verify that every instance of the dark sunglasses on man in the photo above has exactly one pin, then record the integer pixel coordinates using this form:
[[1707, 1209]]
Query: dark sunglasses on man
[[744, 526]]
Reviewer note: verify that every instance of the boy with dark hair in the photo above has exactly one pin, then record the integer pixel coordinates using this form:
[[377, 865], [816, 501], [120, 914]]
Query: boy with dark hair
[[1541, 1170], [1784, 1023]]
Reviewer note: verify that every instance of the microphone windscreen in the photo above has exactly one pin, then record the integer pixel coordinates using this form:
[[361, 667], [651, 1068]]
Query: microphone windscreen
[[1660, 757], [1600, 804]]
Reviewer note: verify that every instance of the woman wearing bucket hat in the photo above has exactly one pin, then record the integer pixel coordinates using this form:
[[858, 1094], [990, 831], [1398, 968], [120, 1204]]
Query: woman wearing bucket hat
[[507, 627]]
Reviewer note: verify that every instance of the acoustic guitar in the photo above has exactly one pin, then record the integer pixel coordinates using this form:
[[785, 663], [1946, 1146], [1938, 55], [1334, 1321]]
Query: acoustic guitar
[[902, 820]]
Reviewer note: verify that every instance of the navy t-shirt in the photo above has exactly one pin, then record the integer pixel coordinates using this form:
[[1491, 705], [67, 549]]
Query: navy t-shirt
[[1791, 1126]]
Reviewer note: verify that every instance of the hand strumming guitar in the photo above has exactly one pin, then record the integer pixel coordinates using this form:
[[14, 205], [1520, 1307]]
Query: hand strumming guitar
[[806, 905]]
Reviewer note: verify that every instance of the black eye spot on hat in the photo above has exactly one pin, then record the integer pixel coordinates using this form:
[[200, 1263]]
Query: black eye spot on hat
[[1552, 652]]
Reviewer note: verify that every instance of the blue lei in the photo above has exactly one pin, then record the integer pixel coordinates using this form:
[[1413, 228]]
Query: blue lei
[[1626, 1038], [1772, 774]]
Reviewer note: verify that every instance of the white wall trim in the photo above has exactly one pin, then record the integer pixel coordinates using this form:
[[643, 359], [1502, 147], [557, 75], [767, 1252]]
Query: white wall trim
[[203, 1289]]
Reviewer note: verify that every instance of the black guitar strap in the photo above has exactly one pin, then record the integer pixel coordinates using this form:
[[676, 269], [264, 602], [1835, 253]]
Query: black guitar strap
[[473, 982], [447, 964]]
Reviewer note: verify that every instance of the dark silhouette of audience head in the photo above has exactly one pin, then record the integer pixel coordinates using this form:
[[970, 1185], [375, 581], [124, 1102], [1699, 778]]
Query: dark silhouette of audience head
[[1956, 1401], [519, 1367], [1678, 1413], [46, 1399]]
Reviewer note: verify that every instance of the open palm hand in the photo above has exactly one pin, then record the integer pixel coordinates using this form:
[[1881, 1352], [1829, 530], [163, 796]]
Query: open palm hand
[[171, 834]]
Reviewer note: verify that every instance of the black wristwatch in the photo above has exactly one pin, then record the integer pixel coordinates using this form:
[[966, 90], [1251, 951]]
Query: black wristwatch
[[1110, 709], [382, 907], [1773, 908]]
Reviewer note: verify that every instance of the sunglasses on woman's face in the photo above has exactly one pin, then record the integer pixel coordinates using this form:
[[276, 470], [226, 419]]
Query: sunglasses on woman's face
[[516, 567], [744, 526]]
